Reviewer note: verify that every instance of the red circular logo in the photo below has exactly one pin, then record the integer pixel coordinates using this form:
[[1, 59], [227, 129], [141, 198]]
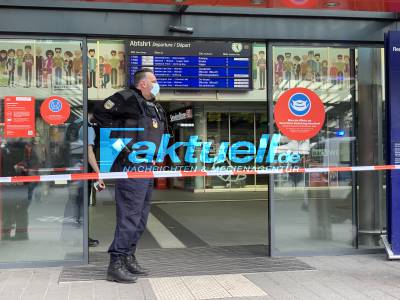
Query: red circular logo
[[299, 114], [55, 110]]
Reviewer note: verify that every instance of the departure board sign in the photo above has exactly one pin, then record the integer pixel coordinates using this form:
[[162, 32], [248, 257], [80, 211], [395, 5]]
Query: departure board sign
[[193, 64]]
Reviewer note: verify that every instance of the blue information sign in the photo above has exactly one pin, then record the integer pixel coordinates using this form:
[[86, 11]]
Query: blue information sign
[[195, 64], [392, 51]]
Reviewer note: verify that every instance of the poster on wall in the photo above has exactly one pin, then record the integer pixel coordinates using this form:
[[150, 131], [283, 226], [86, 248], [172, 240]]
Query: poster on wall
[[42, 67], [106, 68], [259, 65], [326, 69], [19, 117]]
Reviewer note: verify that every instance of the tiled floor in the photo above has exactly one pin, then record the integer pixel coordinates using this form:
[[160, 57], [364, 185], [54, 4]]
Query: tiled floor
[[333, 277]]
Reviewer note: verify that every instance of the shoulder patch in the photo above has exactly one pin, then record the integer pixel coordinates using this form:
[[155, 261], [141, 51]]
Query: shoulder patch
[[109, 104]]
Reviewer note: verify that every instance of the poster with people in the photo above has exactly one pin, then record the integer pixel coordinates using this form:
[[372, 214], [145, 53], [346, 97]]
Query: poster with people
[[106, 68], [318, 68], [259, 65], [40, 67], [327, 72]]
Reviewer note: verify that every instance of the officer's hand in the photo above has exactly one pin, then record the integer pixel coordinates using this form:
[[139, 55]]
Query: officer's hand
[[102, 184]]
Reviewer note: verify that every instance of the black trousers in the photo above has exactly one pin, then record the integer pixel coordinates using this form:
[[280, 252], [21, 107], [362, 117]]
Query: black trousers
[[133, 198]]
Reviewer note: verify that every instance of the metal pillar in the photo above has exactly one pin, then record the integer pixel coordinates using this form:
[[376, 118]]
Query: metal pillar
[[369, 143]]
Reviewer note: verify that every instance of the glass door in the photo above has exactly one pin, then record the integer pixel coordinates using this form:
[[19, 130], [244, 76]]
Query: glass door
[[320, 212], [315, 212]]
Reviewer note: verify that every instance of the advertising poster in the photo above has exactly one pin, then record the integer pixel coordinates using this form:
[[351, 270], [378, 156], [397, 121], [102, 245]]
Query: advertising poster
[[259, 65], [40, 68], [325, 69], [19, 117], [106, 68], [326, 73]]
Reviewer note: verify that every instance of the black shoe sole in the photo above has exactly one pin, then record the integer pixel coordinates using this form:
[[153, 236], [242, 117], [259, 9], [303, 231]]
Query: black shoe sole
[[93, 243], [145, 273], [119, 281]]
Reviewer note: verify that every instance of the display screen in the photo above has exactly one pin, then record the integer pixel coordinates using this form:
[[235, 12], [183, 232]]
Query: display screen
[[193, 64]]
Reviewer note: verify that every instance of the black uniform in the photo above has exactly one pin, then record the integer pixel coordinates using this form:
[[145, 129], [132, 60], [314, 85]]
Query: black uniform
[[128, 109]]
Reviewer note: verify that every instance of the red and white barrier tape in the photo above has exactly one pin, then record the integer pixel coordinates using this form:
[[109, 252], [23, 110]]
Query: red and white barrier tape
[[160, 174]]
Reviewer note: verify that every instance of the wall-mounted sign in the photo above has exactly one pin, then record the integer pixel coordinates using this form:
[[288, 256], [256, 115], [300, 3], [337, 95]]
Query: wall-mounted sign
[[179, 64], [55, 110], [392, 63], [299, 114], [19, 117], [181, 115]]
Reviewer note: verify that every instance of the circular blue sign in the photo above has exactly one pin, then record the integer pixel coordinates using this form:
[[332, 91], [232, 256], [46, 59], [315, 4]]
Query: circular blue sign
[[55, 105], [299, 104]]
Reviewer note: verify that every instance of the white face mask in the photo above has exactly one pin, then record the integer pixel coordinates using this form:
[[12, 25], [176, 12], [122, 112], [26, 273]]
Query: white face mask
[[155, 89]]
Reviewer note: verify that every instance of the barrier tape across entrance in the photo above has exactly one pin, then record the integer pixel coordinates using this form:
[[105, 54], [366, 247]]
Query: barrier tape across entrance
[[161, 174]]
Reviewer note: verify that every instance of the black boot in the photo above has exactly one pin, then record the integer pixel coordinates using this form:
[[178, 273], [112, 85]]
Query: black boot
[[93, 242], [133, 266], [118, 272]]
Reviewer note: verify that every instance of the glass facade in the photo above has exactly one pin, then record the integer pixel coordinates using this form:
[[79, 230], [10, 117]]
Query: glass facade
[[311, 212], [41, 221]]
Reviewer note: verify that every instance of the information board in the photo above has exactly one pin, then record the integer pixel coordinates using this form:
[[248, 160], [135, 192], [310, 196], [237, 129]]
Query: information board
[[193, 64], [19, 117], [392, 67]]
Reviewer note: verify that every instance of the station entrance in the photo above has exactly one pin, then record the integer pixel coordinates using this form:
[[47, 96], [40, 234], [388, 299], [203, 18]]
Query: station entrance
[[192, 212]]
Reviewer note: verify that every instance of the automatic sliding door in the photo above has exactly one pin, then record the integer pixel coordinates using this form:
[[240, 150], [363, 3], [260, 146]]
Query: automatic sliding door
[[315, 212]]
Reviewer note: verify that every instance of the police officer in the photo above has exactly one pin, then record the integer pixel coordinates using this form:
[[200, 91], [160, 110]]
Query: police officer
[[131, 108]]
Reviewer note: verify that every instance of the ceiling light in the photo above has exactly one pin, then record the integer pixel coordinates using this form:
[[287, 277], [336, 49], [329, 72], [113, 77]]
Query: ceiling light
[[257, 2]]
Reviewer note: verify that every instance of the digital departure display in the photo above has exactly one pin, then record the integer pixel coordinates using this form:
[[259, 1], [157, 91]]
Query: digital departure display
[[193, 64]]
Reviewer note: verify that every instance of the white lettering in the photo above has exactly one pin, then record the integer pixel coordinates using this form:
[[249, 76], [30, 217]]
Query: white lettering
[[140, 43]]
